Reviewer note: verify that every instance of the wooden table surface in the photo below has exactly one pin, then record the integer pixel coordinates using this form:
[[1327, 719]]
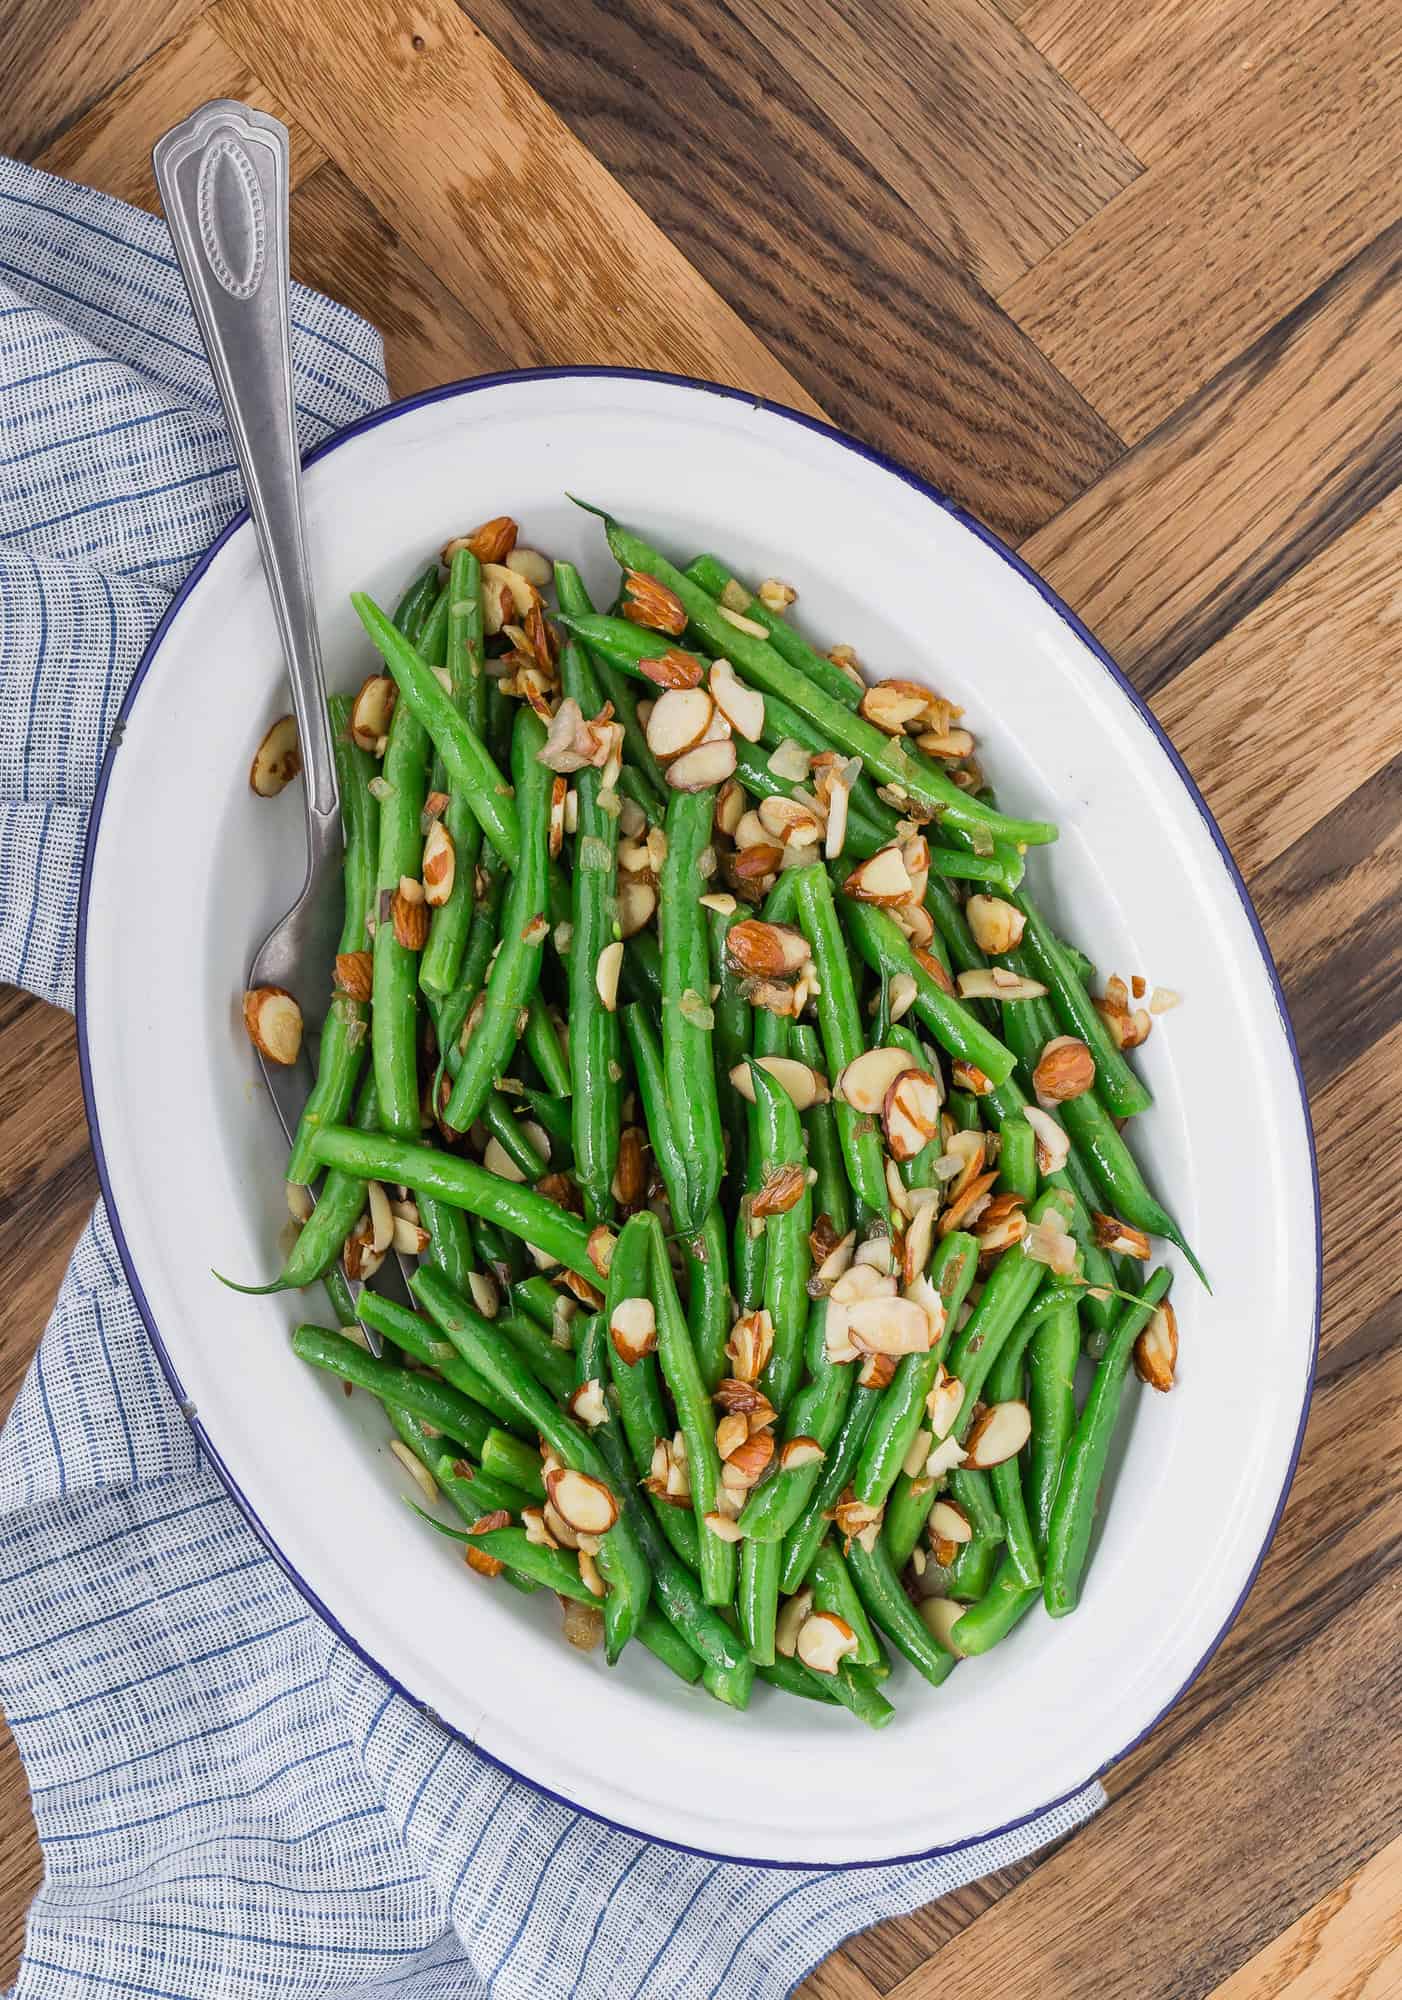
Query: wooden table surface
[[1127, 280]]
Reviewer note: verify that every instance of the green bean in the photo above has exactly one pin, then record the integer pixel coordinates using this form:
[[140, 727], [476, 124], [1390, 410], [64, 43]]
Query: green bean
[[557, 1569], [880, 1590], [652, 789], [682, 1374], [687, 1059], [792, 1677], [971, 1575], [1017, 1159], [714, 578], [787, 1261], [413, 609], [338, 1209], [730, 1671], [1073, 1511], [1116, 1085], [538, 1297], [992, 1616], [1051, 1398], [731, 1033], [553, 1115], [550, 1364], [515, 1142], [450, 1014], [509, 1458], [840, 1019], [495, 1250], [344, 1309], [757, 1598], [703, 1253], [815, 1412], [963, 1109], [752, 770], [802, 1539], [972, 1490], [952, 927], [758, 662], [834, 1591], [371, 1156], [472, 773], [593, 1027], [638, 1387], [901, 1410], [500, 715], [1005, 1384], [441, 964], [642, 970], [948, 861], [1115, 1173], [885, 948], [341, 1056], [1079, 963], [856, 1689], [666, 1644], [395, 991], [831, 1195], [416, 1338], [867, 813], [474, 1492], [437, 1403]]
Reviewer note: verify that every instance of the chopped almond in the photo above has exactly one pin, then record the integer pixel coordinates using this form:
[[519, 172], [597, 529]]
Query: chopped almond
[[882, 879], [491, 543], [997, 1433], [750, 1345], [355, 973], [582, 1501], [371, 711], [780, 1191], [1156, 1350], [1119, 1237], [274, 1023], [824, 1641], [633, 1329], [910, 1112], [1065, 1069], [276, 761], [651, 604]]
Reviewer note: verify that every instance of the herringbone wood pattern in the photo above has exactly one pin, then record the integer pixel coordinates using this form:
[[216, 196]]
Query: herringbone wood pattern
[[1127, 280]]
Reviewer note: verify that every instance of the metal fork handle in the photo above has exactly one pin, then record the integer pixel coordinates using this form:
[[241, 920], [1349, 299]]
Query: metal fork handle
[[223, 177]]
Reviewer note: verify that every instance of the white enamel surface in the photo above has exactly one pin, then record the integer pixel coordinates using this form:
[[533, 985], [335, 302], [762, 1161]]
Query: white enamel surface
[[190, 869]]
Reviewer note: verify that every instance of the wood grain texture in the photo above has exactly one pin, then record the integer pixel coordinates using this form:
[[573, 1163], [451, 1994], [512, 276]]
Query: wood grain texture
[[776, 206], [820, 201], [110, 146], [1017, 164], [1320, 127]]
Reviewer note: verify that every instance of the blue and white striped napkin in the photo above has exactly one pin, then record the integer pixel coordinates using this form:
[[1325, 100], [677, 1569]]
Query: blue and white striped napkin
[[230, 1803]]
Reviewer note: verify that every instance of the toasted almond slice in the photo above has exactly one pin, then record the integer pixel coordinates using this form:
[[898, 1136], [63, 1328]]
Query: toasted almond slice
[[793, 1614], [679, 719], [722, 1527], [882, 879], [800, 1451], [1053, 1144], [781, 1190], [751, 1461], [440, 865], [1065, 1069], [537, 1533], [587, 1404], [776, 596], [672, 669], [997, 1433], [910, 1112], [864, 1082], [506, 598], [773, 951], [897, 1192], [913, 1463], [410, 1239], [498, 1161], [732, 1431], [276, 762], [650, 603], [802, 1083], [274, 1023], [1156, 1350], [1163, 999], [750, 1345], [486, 1294], [355, 973], [358, 1260], [371, 710], [919, 1242], [492, 542], [589, 1574], [637, 902], [416, 1470], [697, 770], [892, 705], [1001, 1224], [995, 982], [824, 1641], [889, 1326], [964, 1212], [944, 1403], [877, 1371], [532, 565], [582, 1502], [742, 707], [839, 796], [944, 1457], [967, 1076], [1049, 1242], [559, 801], [409, 916], [791, 761], [299, 1201], [742, 623], [997, 926], [949, 1521], [1119, 1237], [606, 974], [793, 821], [902, 995], [633, 1329], [940, 1616], [601, 1246]]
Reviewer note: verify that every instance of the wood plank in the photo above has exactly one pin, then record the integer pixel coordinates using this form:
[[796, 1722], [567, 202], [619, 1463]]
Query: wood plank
[[1350, 1943], [838, 1978], [1246, 483], [1157, 71], [1294, 708], [21, 1865], [778, 209], [340, 245], [959, 114], [890, 1952], [1284, 1793], [110, 147], [62, 56], [492, 190], [1320, 126]]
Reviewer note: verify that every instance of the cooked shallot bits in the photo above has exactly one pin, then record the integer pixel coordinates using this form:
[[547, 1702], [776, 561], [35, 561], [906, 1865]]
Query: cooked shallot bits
[[752, 1143]]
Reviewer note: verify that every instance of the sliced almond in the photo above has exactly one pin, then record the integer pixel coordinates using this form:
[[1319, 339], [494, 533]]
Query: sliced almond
[[1119, 1237], [410, 1239], [995, 982], [697, 770], [894, 705], [532, 565], [919, 1242], [877, 1371], [1001, 1224], [651, 604], [589, 1574], [750, 1345], [506, 598], [276, 762], [274, 1023], [672, 669], [559, 1527], [793, 1614], [838, 800], [299, 1201], [1156, 1350], [742, 707], [587, 1404], [746, 1399], [582, 1501], [966, 1210], [824, 1641], [485, 1293], [1049, 1242], [637, 904], [944, 1403], [914, 1461], [801, 1082], [1053, 1144], [409, 916], [606, 974], [864, 1082], [889, 1326], [997, 926], [537, 1533], [633, 1329], [949, 1521], [800, 1451], [371, 711], [743, 624], [732, 1431], [910, 1112], [751, 1461], [358, 1260], [794, 821], [940, 1616], [780, 1191], [722, 1527], [997, 1433], [416, 1470], [882, 879], [1163, 999], [944, 1457], [559, 804], [679, 720], [498, 1161], [774, 951], [601, 1246], [491, 543], [968, 1076], [856, 1521], [1065, 1069], [439, 866], [355, 972]]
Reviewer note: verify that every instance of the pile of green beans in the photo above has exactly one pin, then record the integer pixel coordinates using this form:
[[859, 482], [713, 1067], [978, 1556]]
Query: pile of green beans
[[769, 1296]]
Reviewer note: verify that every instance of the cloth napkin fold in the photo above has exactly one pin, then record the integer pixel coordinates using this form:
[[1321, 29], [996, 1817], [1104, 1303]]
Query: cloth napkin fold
[[230, 1803]]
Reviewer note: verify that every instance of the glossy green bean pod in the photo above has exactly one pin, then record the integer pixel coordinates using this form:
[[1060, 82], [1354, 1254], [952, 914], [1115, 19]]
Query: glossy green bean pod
[[414, 1336], [757, 1597], [787, 1261], [731, 1033], [815, 1412], [338, 1209], [833, 1590], [1118, 1088], [395, 980], [714, 578], [437, 1403], [688, 1059], [1051, 1397], [901, 1411], [887, 950], [1005, 1384], [638, 1386], [831, 1194], [840, 1019], [441, 964], [887, 1605], [1017, 1159], [993, 1615], [802, 1539]]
